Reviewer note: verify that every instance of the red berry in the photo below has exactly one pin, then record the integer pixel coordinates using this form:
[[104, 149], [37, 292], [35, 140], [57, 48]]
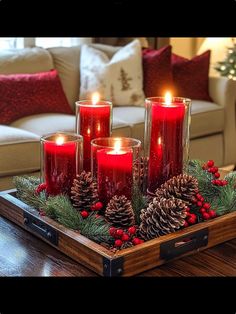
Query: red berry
[[202, 210], [187, 209], [210, 163], [98, 205], [194, 200], [186, 224], [214, 169], [209, 170], [132, 230], [84, 214], [207, 205], [217, 182], [213, 182], [224, 182], [202, 199], [221, 183], [118, 243], [192, 220], [119, 232], [188, 214], [112, 231], [41, 187], [217, 175], [212, 213], [206, 216], [125, 237], [199, 204], [204, 167], [136, 241], [199, 196]]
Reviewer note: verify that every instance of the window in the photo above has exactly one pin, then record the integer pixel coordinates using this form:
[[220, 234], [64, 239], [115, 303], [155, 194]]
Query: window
[[44, 42], [11, 42], [47, 42]]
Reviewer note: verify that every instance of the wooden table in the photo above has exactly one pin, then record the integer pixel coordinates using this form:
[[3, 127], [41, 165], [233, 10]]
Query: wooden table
[[22, 254]]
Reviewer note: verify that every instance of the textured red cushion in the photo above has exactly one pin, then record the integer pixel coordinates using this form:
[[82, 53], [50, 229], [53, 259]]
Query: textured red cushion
[[157, 72], [191, 76], [28, 94]]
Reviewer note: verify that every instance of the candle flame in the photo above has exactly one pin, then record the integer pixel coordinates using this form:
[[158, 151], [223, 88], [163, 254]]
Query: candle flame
[[117, 146], [95, 98], [99, 127], [168, 98], [88, 131], [159, 141], [60, 140]]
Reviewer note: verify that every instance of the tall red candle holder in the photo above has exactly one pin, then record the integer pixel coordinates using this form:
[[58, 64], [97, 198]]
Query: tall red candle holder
[[166, 140], [61, 161], [93, 120], [116, 166]]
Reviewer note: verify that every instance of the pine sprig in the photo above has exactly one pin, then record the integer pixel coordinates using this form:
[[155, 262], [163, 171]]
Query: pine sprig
[[26, 191], [226, 202], [139, 201], [208, 190], [61, 209], [96, 228]]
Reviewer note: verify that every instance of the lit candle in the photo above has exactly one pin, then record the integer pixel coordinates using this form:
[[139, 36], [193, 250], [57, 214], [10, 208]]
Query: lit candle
[[114, 171], [62, 154], [93, 121], [166, 140]]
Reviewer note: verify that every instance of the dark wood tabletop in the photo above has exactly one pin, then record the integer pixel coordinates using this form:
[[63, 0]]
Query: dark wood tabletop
[[22, 254]]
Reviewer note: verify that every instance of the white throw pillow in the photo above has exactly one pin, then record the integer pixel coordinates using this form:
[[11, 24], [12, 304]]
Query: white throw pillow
[[119, 79]]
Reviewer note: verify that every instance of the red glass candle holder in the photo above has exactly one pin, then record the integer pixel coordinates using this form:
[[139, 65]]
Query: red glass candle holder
[[92, 121], [61, 161], [166, 140], [115, 166]]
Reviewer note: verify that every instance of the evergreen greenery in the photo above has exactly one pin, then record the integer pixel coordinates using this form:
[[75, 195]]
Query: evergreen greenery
[[60, 208], [228, 66], [222, 198]]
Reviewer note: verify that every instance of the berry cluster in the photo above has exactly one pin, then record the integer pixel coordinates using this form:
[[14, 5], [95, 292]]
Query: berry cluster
[[40, 188], [124, 236], [209, 166], [95, 207], [203, 209]]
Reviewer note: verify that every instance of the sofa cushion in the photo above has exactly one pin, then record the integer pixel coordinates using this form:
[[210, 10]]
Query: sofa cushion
[[26, 94], [67, 61], [206, 118], [28, 60], [157, 71], [119, 79], [43, 124], [19, 151], [201, 113], [191, 77]]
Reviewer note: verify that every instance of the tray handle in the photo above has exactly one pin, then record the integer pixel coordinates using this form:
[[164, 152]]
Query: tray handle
[[41, 228], [184, 244]]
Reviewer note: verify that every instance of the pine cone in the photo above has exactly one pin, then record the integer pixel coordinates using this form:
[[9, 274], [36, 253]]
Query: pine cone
[[162, 216], [119, 212], [84, 191], [183, 187]]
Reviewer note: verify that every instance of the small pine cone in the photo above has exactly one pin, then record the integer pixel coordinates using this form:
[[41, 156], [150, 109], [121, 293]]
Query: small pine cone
[[162, 216], [84, 191], [119, 212], [183, 187]]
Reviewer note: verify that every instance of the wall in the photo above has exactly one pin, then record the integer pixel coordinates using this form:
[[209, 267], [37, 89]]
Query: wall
[[186, 46]]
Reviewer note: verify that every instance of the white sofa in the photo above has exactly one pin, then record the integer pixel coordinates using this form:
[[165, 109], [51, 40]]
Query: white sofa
[[213, 132]]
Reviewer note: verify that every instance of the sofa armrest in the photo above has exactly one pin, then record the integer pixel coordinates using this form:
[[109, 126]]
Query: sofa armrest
[[223, 92]]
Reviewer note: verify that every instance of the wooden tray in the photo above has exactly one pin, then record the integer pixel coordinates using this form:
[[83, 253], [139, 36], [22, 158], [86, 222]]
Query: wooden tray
[[129, 261]]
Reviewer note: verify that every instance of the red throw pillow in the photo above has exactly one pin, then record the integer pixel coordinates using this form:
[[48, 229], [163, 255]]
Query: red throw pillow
[[191, 76], [28, 94], [157, 72]]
